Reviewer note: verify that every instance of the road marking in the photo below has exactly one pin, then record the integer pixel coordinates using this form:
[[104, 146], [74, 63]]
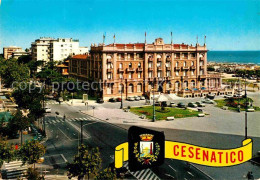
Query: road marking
[[172, 168], [78, 129], [190, 173], [64, 134], [63, 158]]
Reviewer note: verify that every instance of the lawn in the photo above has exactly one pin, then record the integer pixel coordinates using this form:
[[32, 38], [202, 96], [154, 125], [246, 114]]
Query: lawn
[[162, 115], [232, 104]]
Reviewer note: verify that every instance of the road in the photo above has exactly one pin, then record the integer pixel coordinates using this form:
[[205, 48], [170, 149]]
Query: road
[[63, 141]]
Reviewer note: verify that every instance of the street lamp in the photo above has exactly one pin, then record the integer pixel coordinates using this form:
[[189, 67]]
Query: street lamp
[[245, 111], [154, 119], [121, 107]]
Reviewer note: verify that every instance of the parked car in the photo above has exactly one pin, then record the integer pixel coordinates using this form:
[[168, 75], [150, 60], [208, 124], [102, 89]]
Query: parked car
[[181, 105], [192, 104], [172, 104], [142, 97], [47, 110], [130, 99], [118, 99], [112, 100], [137, 98], [211, 96], [228, 96], [100, 100], [200, 104], [156, 103], [208, 101]]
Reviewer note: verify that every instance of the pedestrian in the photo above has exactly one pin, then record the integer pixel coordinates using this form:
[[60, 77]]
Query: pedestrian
[[249, 175], [64, 117]]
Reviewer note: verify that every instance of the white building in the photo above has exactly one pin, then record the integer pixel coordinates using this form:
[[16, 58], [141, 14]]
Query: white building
[[49, 49]]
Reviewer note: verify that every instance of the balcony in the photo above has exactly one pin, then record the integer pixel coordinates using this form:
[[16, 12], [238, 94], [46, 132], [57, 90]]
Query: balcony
[[168, 68], [202, 76], [168, 59], [139, 69], [130, 69], [192, 67], [177, 68], [185, 67], [109, 60], [120, 70], [150, 69], [109, 70], [159, 68], [159, 59]]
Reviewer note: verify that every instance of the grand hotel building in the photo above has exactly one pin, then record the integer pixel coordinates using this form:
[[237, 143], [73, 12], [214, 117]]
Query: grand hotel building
[[134, 68]]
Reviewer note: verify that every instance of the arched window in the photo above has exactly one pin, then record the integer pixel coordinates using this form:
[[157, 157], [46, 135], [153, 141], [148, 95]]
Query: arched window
[[192, 84], [121, 88], [139, 87], [185, 84], [130, 88], [177, 86]]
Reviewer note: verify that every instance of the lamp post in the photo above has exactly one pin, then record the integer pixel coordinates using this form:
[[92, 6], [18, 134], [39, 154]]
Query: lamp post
[[121, 107], [154, 119], [245, 111]]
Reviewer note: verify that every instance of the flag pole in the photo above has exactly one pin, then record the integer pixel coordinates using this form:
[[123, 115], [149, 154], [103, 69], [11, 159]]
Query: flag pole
[[114, 38], [145, 38], [171, 37]]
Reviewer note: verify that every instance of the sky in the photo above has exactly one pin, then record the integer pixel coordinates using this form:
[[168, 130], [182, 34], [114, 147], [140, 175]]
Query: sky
[[227, 24]]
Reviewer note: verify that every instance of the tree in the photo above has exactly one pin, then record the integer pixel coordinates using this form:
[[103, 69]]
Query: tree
[[18, 122], [33, 174], [31, 151], [85, 163], [6, 151], [106, 174], [12, 72]]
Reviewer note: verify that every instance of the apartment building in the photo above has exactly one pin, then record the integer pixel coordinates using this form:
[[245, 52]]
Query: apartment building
[[50, 49], [8, 51], [138, 69]]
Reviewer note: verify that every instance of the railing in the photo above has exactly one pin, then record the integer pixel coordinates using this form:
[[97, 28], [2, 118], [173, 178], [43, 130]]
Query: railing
[[168, 59], [150, 59], [109, 60], [109, 70], [159, 68], [185, 67], [130, 69], [150, 69], [168, 68], [193, 67], [120, 70], [139, 69], [177, 68]]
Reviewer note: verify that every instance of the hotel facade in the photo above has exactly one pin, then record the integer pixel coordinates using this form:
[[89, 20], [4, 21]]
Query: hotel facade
[[139, 69]]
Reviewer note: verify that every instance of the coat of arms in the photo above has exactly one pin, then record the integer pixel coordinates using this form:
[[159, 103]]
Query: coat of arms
[[148, 150]]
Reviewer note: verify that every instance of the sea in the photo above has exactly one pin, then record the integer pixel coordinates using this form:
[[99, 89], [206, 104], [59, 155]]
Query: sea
[[240, 57]]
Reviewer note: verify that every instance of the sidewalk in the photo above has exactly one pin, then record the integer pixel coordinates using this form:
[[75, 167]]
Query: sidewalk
[[219, 121]]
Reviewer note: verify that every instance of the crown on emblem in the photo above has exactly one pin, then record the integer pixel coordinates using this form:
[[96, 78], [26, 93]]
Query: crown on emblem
[[146, 137]]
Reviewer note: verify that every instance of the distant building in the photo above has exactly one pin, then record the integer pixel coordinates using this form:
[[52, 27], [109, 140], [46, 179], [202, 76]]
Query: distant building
[[50, 49], [133, 69], [9, 50], [18, 53]]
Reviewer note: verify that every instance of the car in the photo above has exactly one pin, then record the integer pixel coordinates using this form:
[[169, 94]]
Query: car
[[200, 104], [118, 99], [172, 104], [130, 99], [112, 100], [181, 105], [192, 104], [137, 98], [157, 103], [211, 96], [208, 101], [228, 96], [238, 95], [47, 110], [100, 100], [142, 97]]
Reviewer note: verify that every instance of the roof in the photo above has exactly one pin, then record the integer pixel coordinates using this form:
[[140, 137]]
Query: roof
[[80, 56], [62, 65]]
